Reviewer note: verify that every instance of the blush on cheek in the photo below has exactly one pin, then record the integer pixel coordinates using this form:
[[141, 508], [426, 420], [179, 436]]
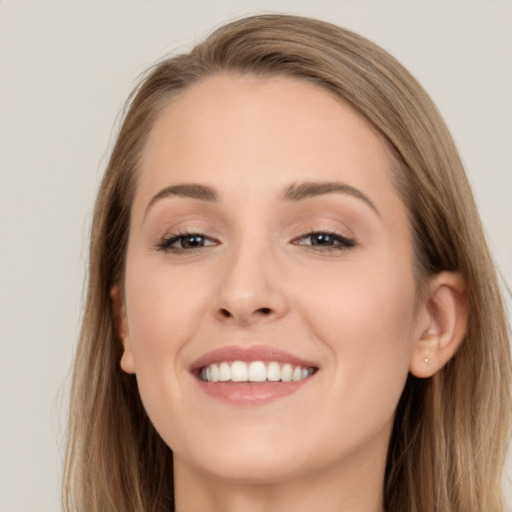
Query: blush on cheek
[[368, 321]]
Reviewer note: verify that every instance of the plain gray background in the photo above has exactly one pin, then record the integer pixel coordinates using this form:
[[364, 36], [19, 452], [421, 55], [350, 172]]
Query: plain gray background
[[66, 69]]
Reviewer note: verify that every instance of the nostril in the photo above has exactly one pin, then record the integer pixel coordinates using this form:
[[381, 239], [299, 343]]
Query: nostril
[[226, 313]]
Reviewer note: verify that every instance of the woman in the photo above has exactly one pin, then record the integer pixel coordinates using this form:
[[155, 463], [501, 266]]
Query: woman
[[291, 303]]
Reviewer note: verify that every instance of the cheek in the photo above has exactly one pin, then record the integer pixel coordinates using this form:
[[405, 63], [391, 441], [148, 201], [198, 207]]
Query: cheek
[[164, 308], [365, 318], [368, 303]]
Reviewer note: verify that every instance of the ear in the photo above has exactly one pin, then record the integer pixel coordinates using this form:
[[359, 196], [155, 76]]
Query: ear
[[442, 324], [121, 325]]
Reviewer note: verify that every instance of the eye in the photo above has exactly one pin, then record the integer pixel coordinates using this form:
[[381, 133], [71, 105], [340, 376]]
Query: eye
[[184, 242], [325, 240]]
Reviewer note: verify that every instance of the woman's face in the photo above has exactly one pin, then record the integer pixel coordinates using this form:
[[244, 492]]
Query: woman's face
[[268, 243]]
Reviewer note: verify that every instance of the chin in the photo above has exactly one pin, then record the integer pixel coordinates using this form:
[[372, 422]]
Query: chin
[[251, 471], [251, 461]]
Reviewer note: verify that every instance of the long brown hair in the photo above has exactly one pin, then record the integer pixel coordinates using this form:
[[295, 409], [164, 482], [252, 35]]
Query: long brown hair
[[451, 431]]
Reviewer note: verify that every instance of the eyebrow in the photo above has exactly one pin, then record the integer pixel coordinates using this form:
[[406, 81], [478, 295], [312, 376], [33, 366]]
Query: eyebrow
[[191, 190], [295, 192], [300, 191]]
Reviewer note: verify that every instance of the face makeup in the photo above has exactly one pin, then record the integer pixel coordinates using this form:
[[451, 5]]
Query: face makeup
[[269, 296], [251, 376]]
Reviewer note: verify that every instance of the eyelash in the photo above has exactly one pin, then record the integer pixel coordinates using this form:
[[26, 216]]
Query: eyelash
[[341, 242], [166, 243]]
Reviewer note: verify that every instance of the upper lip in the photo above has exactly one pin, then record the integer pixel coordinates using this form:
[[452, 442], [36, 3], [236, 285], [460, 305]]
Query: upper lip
[[248, 354]]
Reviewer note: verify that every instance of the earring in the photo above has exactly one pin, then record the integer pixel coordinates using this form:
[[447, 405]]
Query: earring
[[426, 361]]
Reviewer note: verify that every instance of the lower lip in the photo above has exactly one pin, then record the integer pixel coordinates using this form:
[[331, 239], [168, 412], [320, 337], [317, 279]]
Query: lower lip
[[251, 393]]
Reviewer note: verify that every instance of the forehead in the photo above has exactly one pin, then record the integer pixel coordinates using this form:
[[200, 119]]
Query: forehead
[[232, 130]]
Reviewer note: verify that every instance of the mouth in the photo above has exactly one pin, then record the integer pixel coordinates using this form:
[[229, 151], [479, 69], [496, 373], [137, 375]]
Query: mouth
[[251, 375], [254, 371]]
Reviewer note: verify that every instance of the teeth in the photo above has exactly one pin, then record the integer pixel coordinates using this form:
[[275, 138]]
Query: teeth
[[256, 371], [273, 371], [224, 372], [297, 373], [286, 372], [239, 372]]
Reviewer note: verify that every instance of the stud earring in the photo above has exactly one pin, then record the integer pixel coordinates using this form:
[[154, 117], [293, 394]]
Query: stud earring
[[426, 361]]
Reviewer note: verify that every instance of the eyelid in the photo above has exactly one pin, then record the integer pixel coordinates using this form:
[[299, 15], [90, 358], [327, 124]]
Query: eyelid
[[339, 240], [164, 244], [344, 242]]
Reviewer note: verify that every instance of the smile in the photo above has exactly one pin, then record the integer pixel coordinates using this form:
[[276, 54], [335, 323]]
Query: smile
[[255, 375], [255, 371]]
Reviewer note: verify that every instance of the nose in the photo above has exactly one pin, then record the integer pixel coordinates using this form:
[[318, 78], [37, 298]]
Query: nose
[[250, 289]]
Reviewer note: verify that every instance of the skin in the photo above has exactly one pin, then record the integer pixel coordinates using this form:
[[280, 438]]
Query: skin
[[352, 309]]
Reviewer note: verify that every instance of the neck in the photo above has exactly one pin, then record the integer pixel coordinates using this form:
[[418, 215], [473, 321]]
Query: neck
[[355, 487]]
